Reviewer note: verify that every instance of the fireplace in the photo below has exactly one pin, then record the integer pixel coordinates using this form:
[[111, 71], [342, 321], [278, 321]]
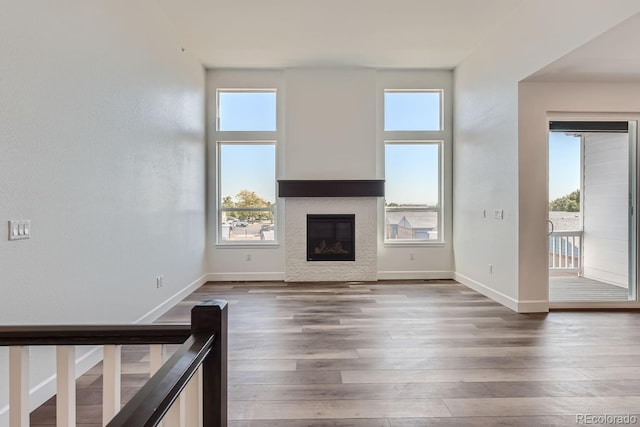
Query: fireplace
[[331, 237]]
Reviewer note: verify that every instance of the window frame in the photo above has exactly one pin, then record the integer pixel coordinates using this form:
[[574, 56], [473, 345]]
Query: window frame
[[230, 137], [220, 209], [440, 223]]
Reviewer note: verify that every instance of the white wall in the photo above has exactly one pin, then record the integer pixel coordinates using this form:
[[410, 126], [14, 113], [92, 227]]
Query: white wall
[[540, 101], [102, 148], [497, 166], [331, 124], [332, 121], [605, 237]]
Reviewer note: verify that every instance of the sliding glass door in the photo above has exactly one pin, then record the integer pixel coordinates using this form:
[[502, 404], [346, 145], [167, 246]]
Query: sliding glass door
[[592, 221]]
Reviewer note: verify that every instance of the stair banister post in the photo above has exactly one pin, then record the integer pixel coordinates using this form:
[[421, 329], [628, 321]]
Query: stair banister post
[[206, 318]]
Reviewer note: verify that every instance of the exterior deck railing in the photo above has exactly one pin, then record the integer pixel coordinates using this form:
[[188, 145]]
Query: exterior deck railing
[[565, 250]]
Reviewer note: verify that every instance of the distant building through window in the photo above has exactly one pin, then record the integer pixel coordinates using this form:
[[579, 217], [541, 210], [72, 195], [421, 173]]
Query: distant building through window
[[412, 193]]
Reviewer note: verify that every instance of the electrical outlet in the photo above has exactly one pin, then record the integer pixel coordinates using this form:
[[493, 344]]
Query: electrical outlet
[[412, 256], [490, 269], [499, 214], [248, 257], [159, 281], [484, 213]]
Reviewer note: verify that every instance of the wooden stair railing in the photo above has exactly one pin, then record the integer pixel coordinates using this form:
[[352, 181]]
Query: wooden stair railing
[[201, 357]]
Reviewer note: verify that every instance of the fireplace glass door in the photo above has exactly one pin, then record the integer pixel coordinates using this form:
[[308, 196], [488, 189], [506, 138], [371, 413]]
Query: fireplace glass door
[[331, 238]]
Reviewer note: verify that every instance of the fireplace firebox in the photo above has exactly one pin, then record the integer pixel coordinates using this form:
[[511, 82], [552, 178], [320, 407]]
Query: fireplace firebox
[[331, 237]]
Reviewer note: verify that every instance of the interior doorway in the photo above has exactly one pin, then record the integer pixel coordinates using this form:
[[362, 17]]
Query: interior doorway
[[592, 225]]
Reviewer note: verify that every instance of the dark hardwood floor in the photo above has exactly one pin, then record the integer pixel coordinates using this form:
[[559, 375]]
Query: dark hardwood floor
[[401, 354]]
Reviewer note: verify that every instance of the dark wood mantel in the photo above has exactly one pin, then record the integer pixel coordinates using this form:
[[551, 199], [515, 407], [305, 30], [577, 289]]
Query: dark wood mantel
[[331, 188]]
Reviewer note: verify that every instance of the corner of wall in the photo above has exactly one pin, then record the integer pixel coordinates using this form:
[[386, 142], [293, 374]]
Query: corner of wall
[[161, 308], [519, 306]]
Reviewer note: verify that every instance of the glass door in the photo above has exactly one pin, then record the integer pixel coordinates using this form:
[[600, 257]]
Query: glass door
[[592, 226]]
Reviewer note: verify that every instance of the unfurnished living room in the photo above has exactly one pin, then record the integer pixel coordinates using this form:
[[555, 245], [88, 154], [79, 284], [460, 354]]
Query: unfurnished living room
[[334, 213]]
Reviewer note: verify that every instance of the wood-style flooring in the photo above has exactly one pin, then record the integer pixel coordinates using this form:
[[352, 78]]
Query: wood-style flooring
[[402, 354]]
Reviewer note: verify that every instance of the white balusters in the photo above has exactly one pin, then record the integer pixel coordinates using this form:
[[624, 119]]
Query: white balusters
[[19, 386], [193, 394], [111, 382], [186, 411], [156, 357], [66, 386], [176, 416], [564, 250]]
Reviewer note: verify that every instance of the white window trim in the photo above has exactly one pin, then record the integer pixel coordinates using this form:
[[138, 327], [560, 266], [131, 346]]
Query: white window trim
[[219, 209], [408, 242], [243, 137], [411, 81]]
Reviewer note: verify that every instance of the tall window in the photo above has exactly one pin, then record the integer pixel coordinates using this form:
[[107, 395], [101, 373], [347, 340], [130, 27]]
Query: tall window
[[413, 172], [246, 165]]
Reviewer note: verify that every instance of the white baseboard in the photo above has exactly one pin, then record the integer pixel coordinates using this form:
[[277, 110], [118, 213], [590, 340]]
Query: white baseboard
[[277, 277], [246, 277], [503, 299], [161, 308], [415, 275], [598, 305], [534, 306]]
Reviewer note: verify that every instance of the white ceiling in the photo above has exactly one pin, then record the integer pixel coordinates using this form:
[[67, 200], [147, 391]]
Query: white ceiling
[[370, 33], [612, 56]]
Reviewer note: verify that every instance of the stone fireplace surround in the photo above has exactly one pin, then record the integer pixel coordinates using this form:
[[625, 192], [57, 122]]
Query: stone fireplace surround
[[298, 269], [358, 197]]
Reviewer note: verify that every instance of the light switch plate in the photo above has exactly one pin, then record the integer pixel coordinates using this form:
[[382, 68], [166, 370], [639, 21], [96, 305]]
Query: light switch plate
[[20, 229]]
